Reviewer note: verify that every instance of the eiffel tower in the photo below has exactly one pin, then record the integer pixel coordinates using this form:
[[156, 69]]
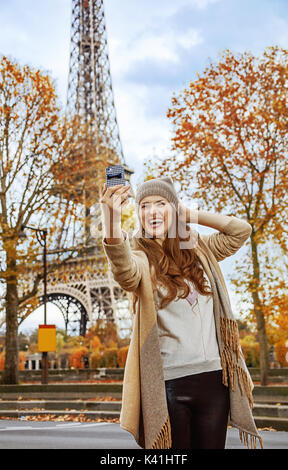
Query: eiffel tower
[[81, 288]]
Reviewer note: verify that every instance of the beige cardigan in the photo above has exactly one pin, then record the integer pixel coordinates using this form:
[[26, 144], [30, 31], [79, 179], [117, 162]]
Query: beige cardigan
[[144, 408]]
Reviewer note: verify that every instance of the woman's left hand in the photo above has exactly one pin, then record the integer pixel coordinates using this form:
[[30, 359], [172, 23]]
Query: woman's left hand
[[186, 216], [182, 212]]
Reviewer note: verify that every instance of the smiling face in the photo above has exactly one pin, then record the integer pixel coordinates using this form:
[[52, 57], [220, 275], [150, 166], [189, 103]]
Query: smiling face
[[156, 216]]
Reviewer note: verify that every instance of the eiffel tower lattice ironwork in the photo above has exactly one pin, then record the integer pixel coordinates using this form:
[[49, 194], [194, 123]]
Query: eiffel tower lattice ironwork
[[94, 293], [90, 93]]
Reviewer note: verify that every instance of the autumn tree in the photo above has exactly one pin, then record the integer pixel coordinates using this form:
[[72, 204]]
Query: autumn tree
[[80, 173], [35, 144], [229, 151], [106, 331]]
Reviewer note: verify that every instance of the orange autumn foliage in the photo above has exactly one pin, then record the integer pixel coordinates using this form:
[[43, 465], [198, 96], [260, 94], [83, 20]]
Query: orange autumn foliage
[[81, 171], [21, 360], [76, 358], [122, 356], [41, 159], [281, 352], [229, 149], [95, 344]]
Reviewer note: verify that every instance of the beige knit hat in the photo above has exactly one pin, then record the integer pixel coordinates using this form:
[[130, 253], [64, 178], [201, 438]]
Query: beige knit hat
[[162, 186]]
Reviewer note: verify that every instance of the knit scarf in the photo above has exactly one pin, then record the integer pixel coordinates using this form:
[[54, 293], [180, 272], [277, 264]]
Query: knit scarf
[[235, 375]]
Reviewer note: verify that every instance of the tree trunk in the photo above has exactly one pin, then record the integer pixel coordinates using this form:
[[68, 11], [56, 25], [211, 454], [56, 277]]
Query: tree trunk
[[264, 356], [260, 320], [10, 373]]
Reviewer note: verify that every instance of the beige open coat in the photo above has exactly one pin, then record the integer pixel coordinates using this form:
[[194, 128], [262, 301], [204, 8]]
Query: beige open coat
[[144, 410]]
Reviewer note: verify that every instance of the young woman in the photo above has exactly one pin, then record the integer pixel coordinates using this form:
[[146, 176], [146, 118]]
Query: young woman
[[185, 374]]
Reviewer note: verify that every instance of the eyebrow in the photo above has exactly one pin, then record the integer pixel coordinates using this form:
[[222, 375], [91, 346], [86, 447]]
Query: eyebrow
[[147, 202]]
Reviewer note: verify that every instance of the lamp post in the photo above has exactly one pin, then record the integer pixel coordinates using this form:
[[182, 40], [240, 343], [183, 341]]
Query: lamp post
[[43, 243]]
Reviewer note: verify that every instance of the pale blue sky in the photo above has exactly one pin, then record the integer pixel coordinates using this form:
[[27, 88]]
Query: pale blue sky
[[155, 47]]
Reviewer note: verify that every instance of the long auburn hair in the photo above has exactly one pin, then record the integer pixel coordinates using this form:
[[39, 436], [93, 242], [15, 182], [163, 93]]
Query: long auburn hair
[[172, 265]]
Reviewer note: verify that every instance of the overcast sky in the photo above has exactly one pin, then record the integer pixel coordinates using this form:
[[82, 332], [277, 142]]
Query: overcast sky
[[155, 46]]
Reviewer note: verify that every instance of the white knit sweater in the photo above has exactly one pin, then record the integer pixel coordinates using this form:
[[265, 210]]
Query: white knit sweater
[[187, 335]]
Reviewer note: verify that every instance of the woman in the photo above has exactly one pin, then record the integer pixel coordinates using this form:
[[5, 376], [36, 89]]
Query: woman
[[185, 374]]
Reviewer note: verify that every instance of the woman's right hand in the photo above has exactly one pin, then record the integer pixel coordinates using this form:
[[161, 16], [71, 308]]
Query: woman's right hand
[[113, 199]]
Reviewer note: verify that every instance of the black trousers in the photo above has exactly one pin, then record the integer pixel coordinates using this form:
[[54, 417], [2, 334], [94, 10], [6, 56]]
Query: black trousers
[[198, 407]]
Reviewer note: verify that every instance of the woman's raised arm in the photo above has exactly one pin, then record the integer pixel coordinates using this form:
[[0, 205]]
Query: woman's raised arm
[[232, 231], [113, 199], [123, 263]]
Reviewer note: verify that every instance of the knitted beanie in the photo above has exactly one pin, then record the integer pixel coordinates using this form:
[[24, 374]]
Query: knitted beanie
[[162, 186]]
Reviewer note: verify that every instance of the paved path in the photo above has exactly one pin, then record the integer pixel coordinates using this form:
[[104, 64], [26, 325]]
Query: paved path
[[69, 435]]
